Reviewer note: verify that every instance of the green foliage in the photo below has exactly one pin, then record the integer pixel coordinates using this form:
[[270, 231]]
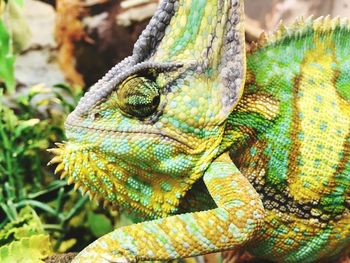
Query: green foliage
[[7, 58], [14, 37], [26, 134], [27, 128], [29, 124], [24, 239], [99, 224]]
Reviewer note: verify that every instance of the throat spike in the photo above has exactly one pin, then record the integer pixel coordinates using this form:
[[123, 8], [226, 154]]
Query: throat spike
[[83, 190], [59, 168], [59, 145], [63, 175], [70, 180], [105, 203], [55, 151], [56, 159], [77, 186]]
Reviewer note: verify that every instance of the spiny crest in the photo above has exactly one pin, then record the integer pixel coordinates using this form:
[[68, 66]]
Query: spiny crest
[[113, 183], [299, 28], [60, 169], [58, 159]]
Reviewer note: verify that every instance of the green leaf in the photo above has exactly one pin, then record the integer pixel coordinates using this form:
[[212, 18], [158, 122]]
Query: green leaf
[[7, 59], [24, 240], [25, 125], [29, 249], [99, 224]]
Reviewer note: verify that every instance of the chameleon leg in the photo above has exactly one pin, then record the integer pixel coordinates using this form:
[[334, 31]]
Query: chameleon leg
[[239, 214]]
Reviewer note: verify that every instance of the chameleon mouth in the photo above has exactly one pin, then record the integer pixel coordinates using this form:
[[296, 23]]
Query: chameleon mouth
[[178, 140]]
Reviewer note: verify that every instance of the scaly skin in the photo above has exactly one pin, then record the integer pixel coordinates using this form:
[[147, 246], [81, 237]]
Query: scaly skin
[[294, 142], [167, 134]]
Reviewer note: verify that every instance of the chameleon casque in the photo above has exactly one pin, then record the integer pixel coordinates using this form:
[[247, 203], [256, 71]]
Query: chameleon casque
[[217, 148]]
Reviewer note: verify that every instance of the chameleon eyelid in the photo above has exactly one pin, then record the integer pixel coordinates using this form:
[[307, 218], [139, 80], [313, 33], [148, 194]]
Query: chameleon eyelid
[[96, 94]]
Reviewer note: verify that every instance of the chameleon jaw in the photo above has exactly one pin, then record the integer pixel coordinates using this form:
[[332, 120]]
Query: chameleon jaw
[[110, 182], [148, 173], [58, 159]]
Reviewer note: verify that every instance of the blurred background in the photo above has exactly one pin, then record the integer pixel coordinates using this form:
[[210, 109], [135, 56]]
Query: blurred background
[[51, 51]]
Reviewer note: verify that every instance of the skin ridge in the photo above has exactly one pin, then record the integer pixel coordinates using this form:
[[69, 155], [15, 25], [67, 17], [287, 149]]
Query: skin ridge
[[301, 27]]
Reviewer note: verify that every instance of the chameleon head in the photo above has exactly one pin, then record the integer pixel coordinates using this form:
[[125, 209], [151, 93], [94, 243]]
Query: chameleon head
[[146, 131]]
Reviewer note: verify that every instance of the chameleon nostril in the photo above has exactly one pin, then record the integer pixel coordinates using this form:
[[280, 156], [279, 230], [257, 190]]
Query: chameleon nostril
[[95, 115]]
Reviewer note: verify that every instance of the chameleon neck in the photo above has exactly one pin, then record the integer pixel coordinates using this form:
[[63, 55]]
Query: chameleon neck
[[298, 97], [292, 126]]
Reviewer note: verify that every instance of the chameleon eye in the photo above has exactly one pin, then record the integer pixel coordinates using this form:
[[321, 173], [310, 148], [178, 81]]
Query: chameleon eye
[[138, 96]]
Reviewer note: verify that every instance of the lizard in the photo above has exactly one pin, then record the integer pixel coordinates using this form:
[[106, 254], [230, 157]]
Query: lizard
[[216, 148]]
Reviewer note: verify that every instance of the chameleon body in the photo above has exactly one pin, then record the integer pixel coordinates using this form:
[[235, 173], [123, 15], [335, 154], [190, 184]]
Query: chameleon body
[[172, 133]]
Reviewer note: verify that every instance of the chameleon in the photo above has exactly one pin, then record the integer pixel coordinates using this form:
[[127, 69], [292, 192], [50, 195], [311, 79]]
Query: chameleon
[[217, 148]]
